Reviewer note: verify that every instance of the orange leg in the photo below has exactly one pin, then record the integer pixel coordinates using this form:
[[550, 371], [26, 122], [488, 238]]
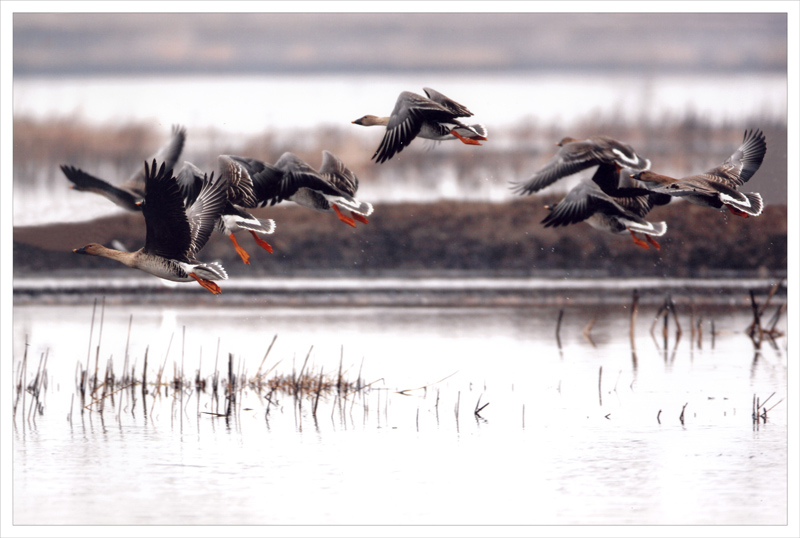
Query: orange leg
[[343, 218], [263, 244], [240, 251], [207, 284], [469, 141], [652, 242], [639, 241], [360, 218], [737, 211]]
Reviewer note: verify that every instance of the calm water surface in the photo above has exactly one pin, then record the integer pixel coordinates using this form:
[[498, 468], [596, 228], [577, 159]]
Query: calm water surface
[[570, 435]]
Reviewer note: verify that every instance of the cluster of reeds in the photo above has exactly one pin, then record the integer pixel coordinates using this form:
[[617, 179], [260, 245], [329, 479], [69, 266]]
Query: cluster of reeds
[[99, 390], [760, 411], [758, 332], [36, 388]]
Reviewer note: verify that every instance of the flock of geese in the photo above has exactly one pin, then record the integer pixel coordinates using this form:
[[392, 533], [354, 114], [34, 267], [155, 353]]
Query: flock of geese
[[182, 210]]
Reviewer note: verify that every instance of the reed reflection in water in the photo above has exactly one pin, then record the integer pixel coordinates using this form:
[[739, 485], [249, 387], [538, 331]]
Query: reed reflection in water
[[558, 443]]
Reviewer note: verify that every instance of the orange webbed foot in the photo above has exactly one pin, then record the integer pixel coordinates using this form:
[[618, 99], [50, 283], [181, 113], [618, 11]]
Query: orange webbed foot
[[343, 218], [263, 244], [360, 218], [240, 251], [638, 241], [207, 284], [469, 141], [653, 242]]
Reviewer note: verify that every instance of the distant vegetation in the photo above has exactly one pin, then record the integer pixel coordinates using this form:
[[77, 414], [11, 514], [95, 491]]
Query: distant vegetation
[[470, 235]]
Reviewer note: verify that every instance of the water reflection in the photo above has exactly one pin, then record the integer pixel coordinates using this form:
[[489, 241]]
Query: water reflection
[[444, 403]]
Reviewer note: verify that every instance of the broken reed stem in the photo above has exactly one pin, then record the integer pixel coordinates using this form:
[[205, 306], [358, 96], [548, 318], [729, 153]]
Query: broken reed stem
[[558, 327], [599, 385], [774, 406], [634, 314], [339, 377], [683, 410], [700, 333], [319, 390], [713, 334], [302, 369], [479, 407], [765, 401], [266, 355], [157, 390], [658, 416], [21, 382], [84, 381], [231, 396], [405, 392], [99, 339], [772, 291], [755, 327], [144, 375], [106, 395]]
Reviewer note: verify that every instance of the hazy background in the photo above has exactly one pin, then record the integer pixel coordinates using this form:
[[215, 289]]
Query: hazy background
[[481, 43], [101, 92]]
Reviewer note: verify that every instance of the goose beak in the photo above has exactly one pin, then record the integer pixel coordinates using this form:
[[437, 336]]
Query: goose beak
[[81, 250]]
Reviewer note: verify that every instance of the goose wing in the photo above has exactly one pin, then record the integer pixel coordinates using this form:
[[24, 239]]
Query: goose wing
[[583, 201], [457, 109], [293, 174], [238, 172], [203, 214], [168, 231], [745, 161], [337, 174], [570, 159], [84, 181], [190, 182], [168, 154]]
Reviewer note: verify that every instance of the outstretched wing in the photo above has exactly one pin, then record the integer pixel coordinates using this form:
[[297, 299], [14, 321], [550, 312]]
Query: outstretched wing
[[570, 159], [583, 201], [205, 211], [337, 174], [457, 109], [168, 231], [168, 154], [745, 161]]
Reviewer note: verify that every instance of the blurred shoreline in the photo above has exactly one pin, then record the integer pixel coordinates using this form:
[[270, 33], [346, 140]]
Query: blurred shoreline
[[473, 238]]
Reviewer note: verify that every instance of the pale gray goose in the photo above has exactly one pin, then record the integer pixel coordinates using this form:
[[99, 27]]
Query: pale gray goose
[[175, 233], [290, 178], [717, 187], [433, 118], [577, 155], [587, 202], [234, 217]]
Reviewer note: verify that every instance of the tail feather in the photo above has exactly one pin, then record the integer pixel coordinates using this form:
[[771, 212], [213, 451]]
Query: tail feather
[[362, 208], [211, 271], [750, 203], [649, 228]]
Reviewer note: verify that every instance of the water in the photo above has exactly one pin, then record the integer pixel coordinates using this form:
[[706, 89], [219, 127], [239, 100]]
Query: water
[[583, 433], [247, 105]]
